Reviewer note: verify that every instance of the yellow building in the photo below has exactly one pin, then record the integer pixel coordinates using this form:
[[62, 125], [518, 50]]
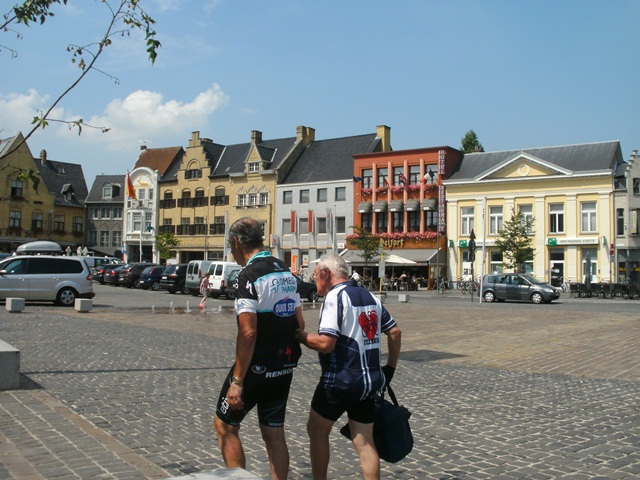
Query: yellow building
[[566, 190], [216, 184], [55, 211]]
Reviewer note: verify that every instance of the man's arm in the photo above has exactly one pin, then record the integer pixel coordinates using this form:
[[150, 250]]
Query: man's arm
[[394, 341], [318, 342], [300, 318], [245, 345]]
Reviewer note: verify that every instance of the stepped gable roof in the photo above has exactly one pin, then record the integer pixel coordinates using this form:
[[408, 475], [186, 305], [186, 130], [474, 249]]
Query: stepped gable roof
[[575, 158], [95, 194], [61, 179], [160, 159], [330, 160], [234, 156]]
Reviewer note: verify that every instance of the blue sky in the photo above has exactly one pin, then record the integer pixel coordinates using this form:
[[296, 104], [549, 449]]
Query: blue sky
[[519, 73]]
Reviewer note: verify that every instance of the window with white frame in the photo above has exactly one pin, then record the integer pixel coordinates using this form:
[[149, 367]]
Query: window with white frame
[[77, 224], [383, 173], [93, 237], [107, 191], [16, 188], [253, 199], [254, 167], [495, 262], [527, 216], [36, 221], [264, 198], [556, 218], [95, 213], [105, 212], [136, 224], [116, 238], [104, 238], [588, 217], [466, 220], [495, 220], [367, 178], [241, 199], [117, 212], [414, 174]]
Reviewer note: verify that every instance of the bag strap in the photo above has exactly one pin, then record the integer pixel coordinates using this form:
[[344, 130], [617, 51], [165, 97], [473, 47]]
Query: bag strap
[[392, 395]]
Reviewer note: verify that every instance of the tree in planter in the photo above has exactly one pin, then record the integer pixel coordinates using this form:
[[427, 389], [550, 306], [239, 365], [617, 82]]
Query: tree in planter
[[165, 242], [515, 241], [365, 241]]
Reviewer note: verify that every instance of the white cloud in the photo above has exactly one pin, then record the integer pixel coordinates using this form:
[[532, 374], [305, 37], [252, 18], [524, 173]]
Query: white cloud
[[18, 109], [145, 114]]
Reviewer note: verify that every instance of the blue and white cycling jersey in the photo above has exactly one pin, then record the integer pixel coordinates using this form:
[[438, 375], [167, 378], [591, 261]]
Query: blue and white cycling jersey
[[357, 318]]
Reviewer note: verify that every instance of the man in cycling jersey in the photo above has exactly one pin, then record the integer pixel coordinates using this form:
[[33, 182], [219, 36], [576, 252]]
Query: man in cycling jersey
[[269, 314]]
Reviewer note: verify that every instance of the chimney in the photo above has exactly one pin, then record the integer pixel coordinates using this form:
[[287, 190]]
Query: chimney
[[384, 133], [634, 154], [143, 148], [305, 134], [256, 136], [195, 139], [43, 157]]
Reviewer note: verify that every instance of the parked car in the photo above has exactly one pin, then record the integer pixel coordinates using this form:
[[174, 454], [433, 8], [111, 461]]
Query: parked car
[[112, 274], [99, 273], [173, 279], [307, 290], [517, 286], [195, 272], [150, 278], [46, 278], [131, 272], [231, 285], [219, 276]]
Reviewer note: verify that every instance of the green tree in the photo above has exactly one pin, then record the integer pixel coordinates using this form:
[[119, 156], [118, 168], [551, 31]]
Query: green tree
[[165, 243], [366, 242], [470, 143], [122, 17], [515, 241]]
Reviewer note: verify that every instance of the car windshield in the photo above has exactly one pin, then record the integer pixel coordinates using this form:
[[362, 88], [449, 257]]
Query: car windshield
[[147, 270], [531, 279], [170, 269]]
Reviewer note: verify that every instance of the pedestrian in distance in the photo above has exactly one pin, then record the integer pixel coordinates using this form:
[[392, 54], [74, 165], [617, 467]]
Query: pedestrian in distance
[[348, 342], [268, 312], [204, 289]]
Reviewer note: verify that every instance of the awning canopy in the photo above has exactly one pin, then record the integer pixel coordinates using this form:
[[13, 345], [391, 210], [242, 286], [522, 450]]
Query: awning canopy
[[412, 205], [396, 206], [364, 207], [421, 256], [380, 206], [429, 204]]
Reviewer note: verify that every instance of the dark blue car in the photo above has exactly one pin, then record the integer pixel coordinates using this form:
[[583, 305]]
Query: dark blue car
[[150, 278]]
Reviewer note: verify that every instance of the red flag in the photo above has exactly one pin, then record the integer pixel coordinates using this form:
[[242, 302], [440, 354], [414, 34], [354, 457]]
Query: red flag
[[131, 192], [310, 221], [293, 221]]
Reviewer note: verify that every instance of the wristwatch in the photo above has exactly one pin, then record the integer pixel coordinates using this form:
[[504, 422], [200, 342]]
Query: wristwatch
[[236, 380]]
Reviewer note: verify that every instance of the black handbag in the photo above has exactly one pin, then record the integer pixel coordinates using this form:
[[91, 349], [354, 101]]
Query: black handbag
[[391, 430]]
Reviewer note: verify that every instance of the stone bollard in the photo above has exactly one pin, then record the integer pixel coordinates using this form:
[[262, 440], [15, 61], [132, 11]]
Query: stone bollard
[[9, 366], [83, 305], [404, 298], [382, 296], [14, 305]]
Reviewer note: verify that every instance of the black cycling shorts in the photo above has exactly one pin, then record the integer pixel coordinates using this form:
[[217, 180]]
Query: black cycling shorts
[[268, 390], [331, 406]]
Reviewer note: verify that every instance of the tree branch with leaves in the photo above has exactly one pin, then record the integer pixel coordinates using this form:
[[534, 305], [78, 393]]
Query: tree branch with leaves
[[515, 240], [124, 16]]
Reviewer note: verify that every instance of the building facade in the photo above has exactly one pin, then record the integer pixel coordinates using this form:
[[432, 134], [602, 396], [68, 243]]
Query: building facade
[[568, 193], [399, 197], [47, 206], [216, 184], [314, 205], [105, 205]]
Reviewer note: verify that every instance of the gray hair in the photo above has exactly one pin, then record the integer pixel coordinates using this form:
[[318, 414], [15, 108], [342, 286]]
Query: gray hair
[[335, 264], [248, 232]]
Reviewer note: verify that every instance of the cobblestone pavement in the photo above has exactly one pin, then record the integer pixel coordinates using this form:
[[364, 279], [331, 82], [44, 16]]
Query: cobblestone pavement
[[497, 391]]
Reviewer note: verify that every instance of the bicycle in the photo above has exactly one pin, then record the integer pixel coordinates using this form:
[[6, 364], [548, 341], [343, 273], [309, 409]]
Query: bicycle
[[442, 284]]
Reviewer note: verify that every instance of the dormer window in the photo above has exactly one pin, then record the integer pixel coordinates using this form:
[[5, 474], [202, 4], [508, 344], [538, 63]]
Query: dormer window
[[254, 167], [107, 192]]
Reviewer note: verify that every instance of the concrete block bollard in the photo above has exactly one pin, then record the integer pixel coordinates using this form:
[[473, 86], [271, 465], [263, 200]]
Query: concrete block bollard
[[15, 305], [381, 296], [404, 298], [83, 305], [9, 366], [220, 473]]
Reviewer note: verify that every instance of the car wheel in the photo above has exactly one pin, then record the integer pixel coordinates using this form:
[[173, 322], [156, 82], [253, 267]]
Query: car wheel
[[184, 290], [195, 293], [313, 295], [171, 290], [101, 282], [66, 297], [536, 297], [155, 286], [489, 296]]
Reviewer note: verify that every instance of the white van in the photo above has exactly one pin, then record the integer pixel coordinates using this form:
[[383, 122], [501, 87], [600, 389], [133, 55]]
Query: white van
[[195, 273], [219, 276]]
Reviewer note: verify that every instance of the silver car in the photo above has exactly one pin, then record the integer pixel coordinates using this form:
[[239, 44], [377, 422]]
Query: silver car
[[57, 279], [517, 286]]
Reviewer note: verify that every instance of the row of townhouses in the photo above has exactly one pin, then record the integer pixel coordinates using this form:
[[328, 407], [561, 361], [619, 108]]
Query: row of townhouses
[[422, 204]]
